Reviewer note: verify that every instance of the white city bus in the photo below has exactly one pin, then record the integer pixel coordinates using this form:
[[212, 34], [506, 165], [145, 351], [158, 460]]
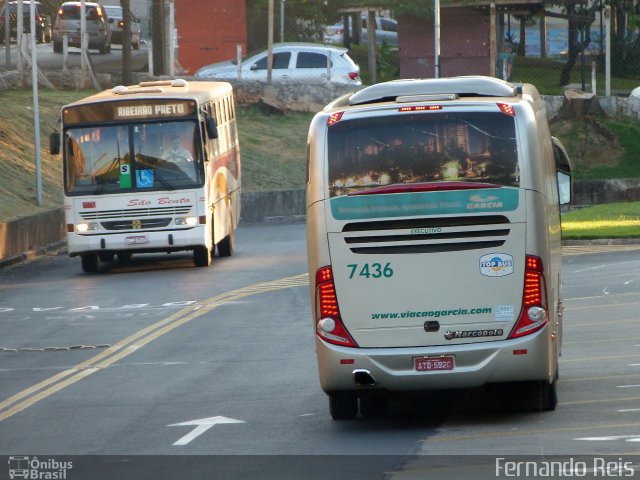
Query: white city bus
[[434, 241], [151, 168]]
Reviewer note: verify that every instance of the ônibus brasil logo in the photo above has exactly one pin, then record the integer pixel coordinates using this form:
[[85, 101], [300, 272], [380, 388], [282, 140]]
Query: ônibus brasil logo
[[37, 469]]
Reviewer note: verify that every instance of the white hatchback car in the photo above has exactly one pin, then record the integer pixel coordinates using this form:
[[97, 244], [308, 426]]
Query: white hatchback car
[[293, 62]]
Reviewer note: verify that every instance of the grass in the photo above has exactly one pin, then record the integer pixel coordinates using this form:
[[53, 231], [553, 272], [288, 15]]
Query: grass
[[612, 220], [273, 150]]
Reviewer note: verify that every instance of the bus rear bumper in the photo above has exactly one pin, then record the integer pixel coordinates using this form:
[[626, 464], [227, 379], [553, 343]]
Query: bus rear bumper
[[529, 358]]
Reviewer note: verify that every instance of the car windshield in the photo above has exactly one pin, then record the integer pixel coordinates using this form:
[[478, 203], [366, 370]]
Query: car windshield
[[140, 157], [415, 148]]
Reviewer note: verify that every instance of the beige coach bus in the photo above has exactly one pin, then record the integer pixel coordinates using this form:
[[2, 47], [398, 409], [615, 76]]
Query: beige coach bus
[[434, 241]]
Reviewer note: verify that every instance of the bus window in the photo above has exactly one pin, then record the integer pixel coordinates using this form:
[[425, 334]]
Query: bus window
[[378, 151]]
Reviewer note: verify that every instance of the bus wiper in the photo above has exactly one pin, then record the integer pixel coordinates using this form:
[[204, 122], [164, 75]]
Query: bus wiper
[[164, 182], [424, 187]]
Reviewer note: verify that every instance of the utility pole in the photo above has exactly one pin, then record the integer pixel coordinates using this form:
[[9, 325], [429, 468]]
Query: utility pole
[[126, 42], [158, 36], [270, 43]]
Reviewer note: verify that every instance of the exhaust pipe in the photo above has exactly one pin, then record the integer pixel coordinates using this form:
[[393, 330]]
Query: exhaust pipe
[[363, 378]]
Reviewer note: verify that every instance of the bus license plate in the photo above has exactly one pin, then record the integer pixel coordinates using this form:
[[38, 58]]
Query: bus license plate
[[430, 364], [137, 240]]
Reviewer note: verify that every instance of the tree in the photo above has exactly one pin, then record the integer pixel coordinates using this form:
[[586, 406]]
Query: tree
[[303, 21]]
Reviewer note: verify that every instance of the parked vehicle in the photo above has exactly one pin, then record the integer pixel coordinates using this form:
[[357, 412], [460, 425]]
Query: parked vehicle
[[293, 62], [386, 32], [434, 242], [68, 23], [43, 21], [116, 21]]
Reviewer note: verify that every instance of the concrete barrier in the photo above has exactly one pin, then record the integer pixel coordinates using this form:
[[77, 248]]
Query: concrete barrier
[[23, 238]]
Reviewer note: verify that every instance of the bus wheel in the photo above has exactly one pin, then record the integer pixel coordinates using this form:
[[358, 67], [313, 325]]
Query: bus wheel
[[374, 405], [89, 263], [106, 256], [547, 396], [201, 256], [124, 257], [225, 246], [343, 405]]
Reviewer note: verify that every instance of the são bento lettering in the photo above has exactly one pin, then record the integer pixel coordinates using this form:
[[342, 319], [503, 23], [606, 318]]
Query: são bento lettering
[[370, 270]]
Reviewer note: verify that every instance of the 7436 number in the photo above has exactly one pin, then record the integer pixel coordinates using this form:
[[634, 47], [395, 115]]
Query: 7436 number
[[370, 270]]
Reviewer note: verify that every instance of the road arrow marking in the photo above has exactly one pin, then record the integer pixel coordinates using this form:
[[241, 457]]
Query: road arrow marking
[[202, 425]]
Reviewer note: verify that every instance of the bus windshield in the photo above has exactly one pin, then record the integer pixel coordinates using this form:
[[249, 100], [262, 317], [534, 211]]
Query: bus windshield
[[416, 148], [133, 157]]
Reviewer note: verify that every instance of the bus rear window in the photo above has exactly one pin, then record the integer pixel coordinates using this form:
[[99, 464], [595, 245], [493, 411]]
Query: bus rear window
[[417, 148]]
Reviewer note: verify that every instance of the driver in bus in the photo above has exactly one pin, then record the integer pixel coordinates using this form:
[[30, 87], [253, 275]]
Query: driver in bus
[[180, 156]]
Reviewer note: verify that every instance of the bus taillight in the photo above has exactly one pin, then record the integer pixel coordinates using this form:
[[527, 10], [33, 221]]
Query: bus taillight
[[533, 315], [329, 324]]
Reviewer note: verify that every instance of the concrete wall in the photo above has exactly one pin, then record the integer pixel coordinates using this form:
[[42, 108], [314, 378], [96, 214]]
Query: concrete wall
[[26, 236]]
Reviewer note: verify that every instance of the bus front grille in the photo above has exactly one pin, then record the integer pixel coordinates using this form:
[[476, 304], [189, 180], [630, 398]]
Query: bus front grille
[[144, 224], [135, 213]]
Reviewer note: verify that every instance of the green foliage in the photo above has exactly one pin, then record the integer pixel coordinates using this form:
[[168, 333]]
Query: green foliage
[[627, 133]]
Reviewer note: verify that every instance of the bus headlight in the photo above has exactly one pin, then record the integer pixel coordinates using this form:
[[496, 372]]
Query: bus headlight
[[86, 227], [190, 221]]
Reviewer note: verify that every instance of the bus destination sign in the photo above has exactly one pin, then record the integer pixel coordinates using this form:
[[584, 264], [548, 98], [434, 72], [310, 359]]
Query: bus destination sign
[[129, 110]]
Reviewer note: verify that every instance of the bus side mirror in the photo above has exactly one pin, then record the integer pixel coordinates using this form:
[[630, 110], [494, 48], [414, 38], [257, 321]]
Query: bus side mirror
[[54, 143], [212, 128], [563, 171], [564, 188]]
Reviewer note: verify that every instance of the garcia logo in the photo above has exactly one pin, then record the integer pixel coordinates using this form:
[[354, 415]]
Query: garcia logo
[[480, 201], [496, 264]]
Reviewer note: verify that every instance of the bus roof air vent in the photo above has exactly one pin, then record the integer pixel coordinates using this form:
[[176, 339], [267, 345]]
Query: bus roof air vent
[[466, 86]]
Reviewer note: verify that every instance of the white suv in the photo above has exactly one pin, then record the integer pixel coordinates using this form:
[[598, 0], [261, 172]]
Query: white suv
[[294, 62]]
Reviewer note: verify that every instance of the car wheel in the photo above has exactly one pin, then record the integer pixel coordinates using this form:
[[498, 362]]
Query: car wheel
[[343, 405], [89, 263], [202, 256]]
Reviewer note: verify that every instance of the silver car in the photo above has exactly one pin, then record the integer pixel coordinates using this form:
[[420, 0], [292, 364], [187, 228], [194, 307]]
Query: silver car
[[68, 23], [386, 32], [294, 62], [116, 21]]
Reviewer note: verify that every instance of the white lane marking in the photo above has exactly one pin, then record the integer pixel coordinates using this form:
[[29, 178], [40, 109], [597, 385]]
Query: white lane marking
[[628, 386], [202, 425], [589, 269], [626, 438]]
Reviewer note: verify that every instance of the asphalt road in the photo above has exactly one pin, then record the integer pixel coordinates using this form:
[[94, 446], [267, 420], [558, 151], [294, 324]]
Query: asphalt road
[[159, 369]]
